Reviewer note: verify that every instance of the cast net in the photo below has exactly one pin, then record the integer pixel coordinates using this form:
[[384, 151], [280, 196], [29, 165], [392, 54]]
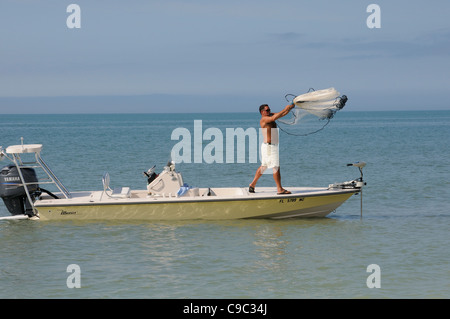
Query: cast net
[[313, 111]]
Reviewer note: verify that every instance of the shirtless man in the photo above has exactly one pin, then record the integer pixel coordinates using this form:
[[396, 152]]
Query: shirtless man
[[269, 149]]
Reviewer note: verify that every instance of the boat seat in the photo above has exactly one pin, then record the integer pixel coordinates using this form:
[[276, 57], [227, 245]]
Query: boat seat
[[118, 192]]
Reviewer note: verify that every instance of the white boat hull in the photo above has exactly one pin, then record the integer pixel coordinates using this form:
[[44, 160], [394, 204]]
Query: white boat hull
[[317, 202]]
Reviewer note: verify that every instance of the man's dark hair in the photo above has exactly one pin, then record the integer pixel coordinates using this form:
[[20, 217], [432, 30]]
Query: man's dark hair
[[262, 107]]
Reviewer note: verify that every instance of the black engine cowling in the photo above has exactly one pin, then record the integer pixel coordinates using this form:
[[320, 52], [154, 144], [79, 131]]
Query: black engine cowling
[[13, 192]]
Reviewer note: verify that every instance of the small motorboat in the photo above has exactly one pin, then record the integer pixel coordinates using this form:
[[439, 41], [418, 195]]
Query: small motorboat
[[167, 196]]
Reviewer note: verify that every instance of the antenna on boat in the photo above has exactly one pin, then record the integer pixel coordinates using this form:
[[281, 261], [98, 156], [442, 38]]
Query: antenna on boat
[[360, 182]]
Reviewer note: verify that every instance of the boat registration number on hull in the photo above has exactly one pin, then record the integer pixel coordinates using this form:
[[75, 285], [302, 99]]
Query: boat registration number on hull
[[291, 200]]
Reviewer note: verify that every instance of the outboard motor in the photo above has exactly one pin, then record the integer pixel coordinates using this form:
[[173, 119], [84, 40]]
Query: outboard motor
[[13, 192]]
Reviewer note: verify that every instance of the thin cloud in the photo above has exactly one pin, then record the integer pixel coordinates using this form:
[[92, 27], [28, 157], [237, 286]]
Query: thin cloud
[[431, 44]]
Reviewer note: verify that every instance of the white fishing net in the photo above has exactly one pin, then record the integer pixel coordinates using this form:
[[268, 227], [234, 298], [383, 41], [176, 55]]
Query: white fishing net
[[312, 112]]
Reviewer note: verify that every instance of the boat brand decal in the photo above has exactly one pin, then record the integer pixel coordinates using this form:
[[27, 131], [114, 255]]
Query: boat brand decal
[[63, 212], [291, 200]]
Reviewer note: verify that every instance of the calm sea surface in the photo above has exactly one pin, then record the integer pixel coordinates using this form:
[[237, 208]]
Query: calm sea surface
[[404, 228]]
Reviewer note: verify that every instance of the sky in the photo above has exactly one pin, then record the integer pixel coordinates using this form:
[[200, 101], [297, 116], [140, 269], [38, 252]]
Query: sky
[[221, 56]]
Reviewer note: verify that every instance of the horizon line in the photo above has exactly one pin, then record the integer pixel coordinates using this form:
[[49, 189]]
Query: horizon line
[[240, 112]]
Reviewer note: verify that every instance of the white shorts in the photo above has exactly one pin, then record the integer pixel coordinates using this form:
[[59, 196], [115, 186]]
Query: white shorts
[[270, 155]]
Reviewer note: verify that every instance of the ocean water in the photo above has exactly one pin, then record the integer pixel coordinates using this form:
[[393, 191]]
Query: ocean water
[[404, 228]]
